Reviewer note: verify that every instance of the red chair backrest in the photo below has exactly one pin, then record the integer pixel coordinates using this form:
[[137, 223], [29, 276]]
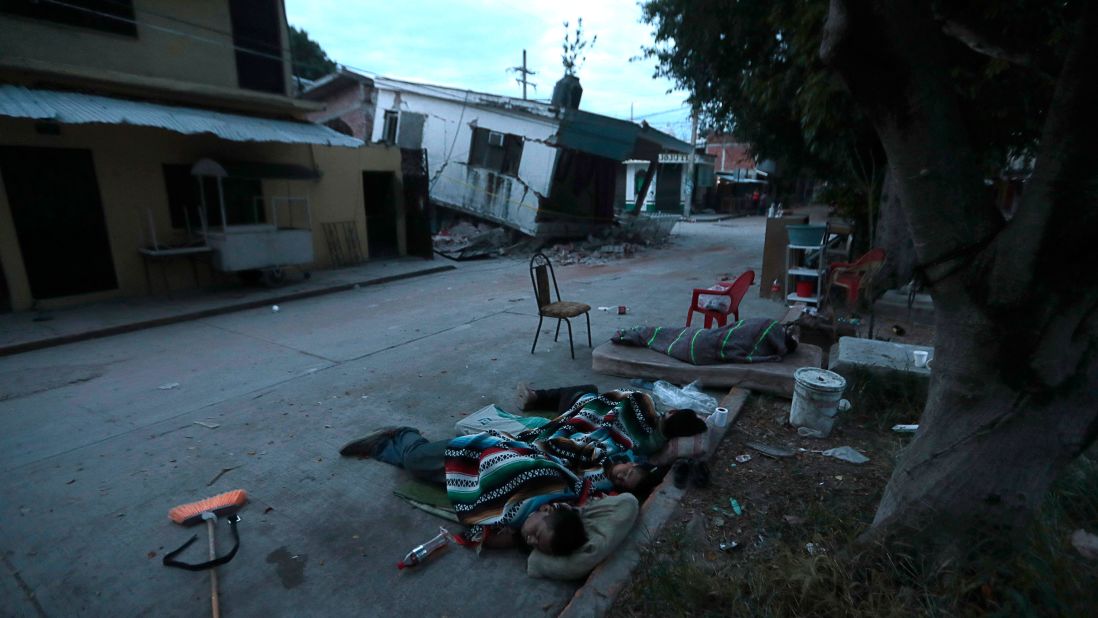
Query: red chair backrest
[[873, 255], [738, 289]]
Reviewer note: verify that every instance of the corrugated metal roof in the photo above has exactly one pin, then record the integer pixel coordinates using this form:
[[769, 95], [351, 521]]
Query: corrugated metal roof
[[78, 108]]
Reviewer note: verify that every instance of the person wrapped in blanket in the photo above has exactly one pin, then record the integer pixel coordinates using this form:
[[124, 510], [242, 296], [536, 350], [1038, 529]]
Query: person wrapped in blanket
[[751, 340], [606, 438], [507, 492]]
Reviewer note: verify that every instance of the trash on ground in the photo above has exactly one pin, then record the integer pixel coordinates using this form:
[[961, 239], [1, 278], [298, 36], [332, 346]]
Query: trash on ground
[[169, 386], [814, 549], [420, 553], [729, 545], [1085, 543], [736, 508], [743, 458], [687, 397], [844, 405], [905, 428], [793, 520], [207, 425], [718, 521], [808, 432], [772, 451], [622, 310], [605, 308], [275, 308], [846, 453]]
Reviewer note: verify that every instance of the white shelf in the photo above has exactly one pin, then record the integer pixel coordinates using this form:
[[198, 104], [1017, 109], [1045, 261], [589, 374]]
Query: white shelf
[[804, 272], [802, 299]]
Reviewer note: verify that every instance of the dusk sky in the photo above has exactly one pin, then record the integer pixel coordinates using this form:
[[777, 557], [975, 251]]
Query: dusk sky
[[471, 43]]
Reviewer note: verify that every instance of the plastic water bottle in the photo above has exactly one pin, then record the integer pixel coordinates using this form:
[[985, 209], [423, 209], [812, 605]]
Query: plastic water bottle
[[420, 553]]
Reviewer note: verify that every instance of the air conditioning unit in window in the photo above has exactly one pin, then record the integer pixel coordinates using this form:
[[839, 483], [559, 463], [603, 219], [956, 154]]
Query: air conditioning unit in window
[[495, 138]]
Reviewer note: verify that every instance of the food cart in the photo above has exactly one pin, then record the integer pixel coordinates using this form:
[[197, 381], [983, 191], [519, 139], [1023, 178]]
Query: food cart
[[268, 244]]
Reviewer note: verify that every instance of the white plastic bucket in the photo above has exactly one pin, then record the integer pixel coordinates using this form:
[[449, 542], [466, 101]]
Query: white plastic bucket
[[816, 395]]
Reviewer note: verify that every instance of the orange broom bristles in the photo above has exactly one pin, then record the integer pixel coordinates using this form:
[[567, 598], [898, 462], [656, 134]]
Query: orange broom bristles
[[220, 505]]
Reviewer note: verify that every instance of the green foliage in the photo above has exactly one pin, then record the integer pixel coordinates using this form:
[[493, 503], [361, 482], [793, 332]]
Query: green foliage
[[754, 68], [573, 56], [309, 59]]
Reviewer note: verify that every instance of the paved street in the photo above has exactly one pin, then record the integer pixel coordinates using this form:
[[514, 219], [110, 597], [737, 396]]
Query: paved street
[[97, 443]]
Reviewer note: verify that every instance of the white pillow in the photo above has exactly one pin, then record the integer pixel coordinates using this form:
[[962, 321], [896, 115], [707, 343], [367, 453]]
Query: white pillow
[[714, 302], [607, 522]]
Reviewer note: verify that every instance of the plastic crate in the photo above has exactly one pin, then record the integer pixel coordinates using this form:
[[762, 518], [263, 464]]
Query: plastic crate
[[806, 235]]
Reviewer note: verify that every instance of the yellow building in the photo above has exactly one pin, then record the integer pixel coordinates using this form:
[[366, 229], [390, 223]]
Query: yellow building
[[106, 107]]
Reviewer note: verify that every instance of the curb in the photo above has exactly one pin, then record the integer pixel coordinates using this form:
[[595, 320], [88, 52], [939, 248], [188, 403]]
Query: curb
[[38, 344], [597, 595]]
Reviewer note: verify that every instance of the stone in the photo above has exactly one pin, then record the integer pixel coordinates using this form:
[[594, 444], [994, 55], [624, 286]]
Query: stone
[[772, 378], [881, 366]]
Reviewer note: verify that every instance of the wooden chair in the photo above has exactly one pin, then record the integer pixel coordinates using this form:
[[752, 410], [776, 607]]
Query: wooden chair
[[541, 274], [735, 292]]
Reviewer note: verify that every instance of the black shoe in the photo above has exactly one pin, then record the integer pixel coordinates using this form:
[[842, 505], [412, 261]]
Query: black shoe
[[699, 474], [681, 472], [367, 445]]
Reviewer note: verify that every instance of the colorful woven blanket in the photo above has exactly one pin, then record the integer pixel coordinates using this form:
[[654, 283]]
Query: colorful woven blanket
[[494, 482]]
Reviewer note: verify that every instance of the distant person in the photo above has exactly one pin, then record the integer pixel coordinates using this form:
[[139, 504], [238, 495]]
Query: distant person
[[755, 197]]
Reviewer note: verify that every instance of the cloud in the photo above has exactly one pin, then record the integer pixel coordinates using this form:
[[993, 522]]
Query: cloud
[[472, 43]]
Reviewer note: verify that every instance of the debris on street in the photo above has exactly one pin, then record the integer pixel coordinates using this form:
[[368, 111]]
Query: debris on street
[[846, 453]]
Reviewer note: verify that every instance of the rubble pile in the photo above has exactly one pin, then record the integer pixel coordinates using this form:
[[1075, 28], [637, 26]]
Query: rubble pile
[[625, 239], [465, 240]]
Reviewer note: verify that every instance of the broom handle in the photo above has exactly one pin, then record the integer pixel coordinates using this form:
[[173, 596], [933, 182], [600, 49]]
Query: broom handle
[[213, 571]]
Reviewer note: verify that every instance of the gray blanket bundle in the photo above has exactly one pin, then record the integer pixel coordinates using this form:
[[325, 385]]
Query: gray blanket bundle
[[752, 340]]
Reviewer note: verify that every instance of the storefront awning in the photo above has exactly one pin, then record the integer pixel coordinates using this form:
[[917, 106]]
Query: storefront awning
[[254, 170], [79, 108]]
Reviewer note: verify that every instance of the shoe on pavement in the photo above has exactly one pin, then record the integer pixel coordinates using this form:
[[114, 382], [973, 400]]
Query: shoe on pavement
[[367, 445]]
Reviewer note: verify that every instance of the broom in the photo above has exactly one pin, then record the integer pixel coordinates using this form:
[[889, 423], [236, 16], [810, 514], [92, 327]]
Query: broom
[[208, 510]]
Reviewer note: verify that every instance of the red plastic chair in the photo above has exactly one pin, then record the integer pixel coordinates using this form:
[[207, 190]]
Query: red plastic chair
[[854, 275], [735, 291]]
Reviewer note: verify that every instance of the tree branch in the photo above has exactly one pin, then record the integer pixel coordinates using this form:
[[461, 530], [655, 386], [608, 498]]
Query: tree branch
[[983, 45]]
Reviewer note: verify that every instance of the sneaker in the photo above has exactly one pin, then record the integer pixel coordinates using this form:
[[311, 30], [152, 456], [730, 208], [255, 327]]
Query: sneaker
[[367, 445], [525, 395], [681, 473], [699, 474]]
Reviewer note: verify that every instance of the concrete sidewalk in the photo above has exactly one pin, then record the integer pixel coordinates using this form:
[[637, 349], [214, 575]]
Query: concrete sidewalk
[[30, 330]]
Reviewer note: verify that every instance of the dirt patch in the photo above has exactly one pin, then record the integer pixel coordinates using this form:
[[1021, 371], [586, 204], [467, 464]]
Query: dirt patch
[[796, 504]]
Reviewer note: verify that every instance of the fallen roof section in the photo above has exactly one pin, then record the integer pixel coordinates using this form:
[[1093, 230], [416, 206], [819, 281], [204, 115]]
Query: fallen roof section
[[79, 108], [615, 139]]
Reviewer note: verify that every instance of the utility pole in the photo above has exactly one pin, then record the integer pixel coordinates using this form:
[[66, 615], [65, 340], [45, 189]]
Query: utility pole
[[690, 163], [524, 72]]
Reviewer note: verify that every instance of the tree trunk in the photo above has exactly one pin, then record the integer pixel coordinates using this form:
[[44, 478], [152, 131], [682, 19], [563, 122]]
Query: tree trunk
[[1012, 398], [894, 236]]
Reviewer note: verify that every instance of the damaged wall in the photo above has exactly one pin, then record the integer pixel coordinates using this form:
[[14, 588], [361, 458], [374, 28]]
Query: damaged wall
[[512, 201]]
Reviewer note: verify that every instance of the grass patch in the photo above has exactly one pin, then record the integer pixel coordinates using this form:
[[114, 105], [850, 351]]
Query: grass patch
[[831, 504]]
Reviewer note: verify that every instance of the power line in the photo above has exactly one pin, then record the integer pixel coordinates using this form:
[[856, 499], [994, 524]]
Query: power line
[[666, 111]]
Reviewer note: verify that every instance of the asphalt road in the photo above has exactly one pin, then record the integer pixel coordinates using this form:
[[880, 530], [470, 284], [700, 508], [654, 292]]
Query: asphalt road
[[101, 438]]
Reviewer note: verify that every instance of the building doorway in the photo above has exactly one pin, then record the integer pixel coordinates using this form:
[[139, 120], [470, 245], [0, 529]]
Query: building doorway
[[54, 200], [378, 192]]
